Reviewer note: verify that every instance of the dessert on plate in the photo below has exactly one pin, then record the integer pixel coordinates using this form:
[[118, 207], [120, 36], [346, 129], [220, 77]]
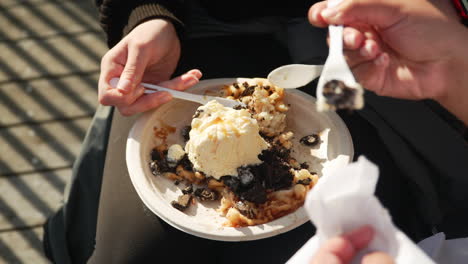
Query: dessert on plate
[[242, 157], [337, 95]]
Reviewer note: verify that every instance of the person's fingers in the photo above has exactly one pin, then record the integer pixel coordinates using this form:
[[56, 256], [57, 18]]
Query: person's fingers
[[377, 257], [360, 237], [315, 18], [370, 49], [135, 66], [362, 50], [110, 95], [382, 14], [126, 63], [352, 38], [322, 257], [110, 67], [371, 74], [184, 81], [354, 58], [137, 93], [113, 96], [107, 94], [145, 103], [342, 249], [154, 100], [361, 44]]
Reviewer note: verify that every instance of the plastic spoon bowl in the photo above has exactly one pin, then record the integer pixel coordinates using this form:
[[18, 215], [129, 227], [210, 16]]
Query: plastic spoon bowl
[[294, 75]]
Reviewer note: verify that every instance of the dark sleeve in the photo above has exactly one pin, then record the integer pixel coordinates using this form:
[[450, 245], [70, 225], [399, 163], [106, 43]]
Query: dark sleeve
[[119, 17]]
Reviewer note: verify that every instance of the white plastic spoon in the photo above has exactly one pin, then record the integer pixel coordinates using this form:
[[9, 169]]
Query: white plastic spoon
[[294, 75]]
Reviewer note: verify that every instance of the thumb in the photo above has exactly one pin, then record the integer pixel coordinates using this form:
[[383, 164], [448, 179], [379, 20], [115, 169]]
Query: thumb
[[342, 249], [377, 257], [381, 14], [133, 71]]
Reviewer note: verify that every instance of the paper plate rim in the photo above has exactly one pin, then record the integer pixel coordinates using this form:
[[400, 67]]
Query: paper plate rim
[[180, 220]]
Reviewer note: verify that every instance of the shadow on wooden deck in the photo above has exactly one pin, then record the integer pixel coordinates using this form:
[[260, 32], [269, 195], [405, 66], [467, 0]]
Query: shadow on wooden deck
[[49, 65]]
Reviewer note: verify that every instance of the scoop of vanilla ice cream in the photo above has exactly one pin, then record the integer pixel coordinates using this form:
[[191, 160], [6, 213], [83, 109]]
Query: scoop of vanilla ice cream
[[223, 139]]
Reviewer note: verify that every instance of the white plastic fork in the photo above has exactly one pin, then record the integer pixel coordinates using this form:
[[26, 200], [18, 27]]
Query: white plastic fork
[[336, 67], [201, 99]]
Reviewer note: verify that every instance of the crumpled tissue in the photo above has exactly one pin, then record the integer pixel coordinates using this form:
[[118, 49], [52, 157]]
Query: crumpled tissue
[[343, 201]]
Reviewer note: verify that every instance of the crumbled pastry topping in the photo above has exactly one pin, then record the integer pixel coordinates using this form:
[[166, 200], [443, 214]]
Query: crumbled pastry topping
[[284, 139], [265, 102]]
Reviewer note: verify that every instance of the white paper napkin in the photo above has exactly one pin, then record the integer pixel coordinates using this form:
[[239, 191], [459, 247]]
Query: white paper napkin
[[344, 200]]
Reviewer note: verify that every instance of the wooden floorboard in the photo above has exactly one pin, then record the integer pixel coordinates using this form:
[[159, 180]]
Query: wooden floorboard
[[46, 99], [50, 51], [38, 147], [22, 247], [68, 17], [28, 199], [58, 55]]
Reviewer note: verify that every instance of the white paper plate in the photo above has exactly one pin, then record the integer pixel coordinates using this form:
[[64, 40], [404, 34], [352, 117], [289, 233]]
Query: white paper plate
[[201, 219]]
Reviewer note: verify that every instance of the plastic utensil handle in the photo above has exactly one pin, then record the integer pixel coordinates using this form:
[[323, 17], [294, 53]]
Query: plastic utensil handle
[[155, 88], [175, 93], [201, 99], [336, 40]]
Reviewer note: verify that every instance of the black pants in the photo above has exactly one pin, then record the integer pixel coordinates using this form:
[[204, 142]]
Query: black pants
[[104, 220]]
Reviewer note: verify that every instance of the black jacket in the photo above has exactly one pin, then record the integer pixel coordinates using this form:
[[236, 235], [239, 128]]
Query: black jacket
[[118, 17]]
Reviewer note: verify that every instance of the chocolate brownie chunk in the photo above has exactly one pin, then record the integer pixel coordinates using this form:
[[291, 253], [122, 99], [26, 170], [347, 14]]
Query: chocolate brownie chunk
[[310, 140], [339, 95], [185, 132], [205, 194], [159, 164], [183, 202]]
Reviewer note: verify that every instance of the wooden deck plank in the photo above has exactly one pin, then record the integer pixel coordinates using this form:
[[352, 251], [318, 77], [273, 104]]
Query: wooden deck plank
[[23, 246], [48, 99], [49, 65], [28, 199], [42, 24], [28, 148], [58, 55], [12, 3]]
